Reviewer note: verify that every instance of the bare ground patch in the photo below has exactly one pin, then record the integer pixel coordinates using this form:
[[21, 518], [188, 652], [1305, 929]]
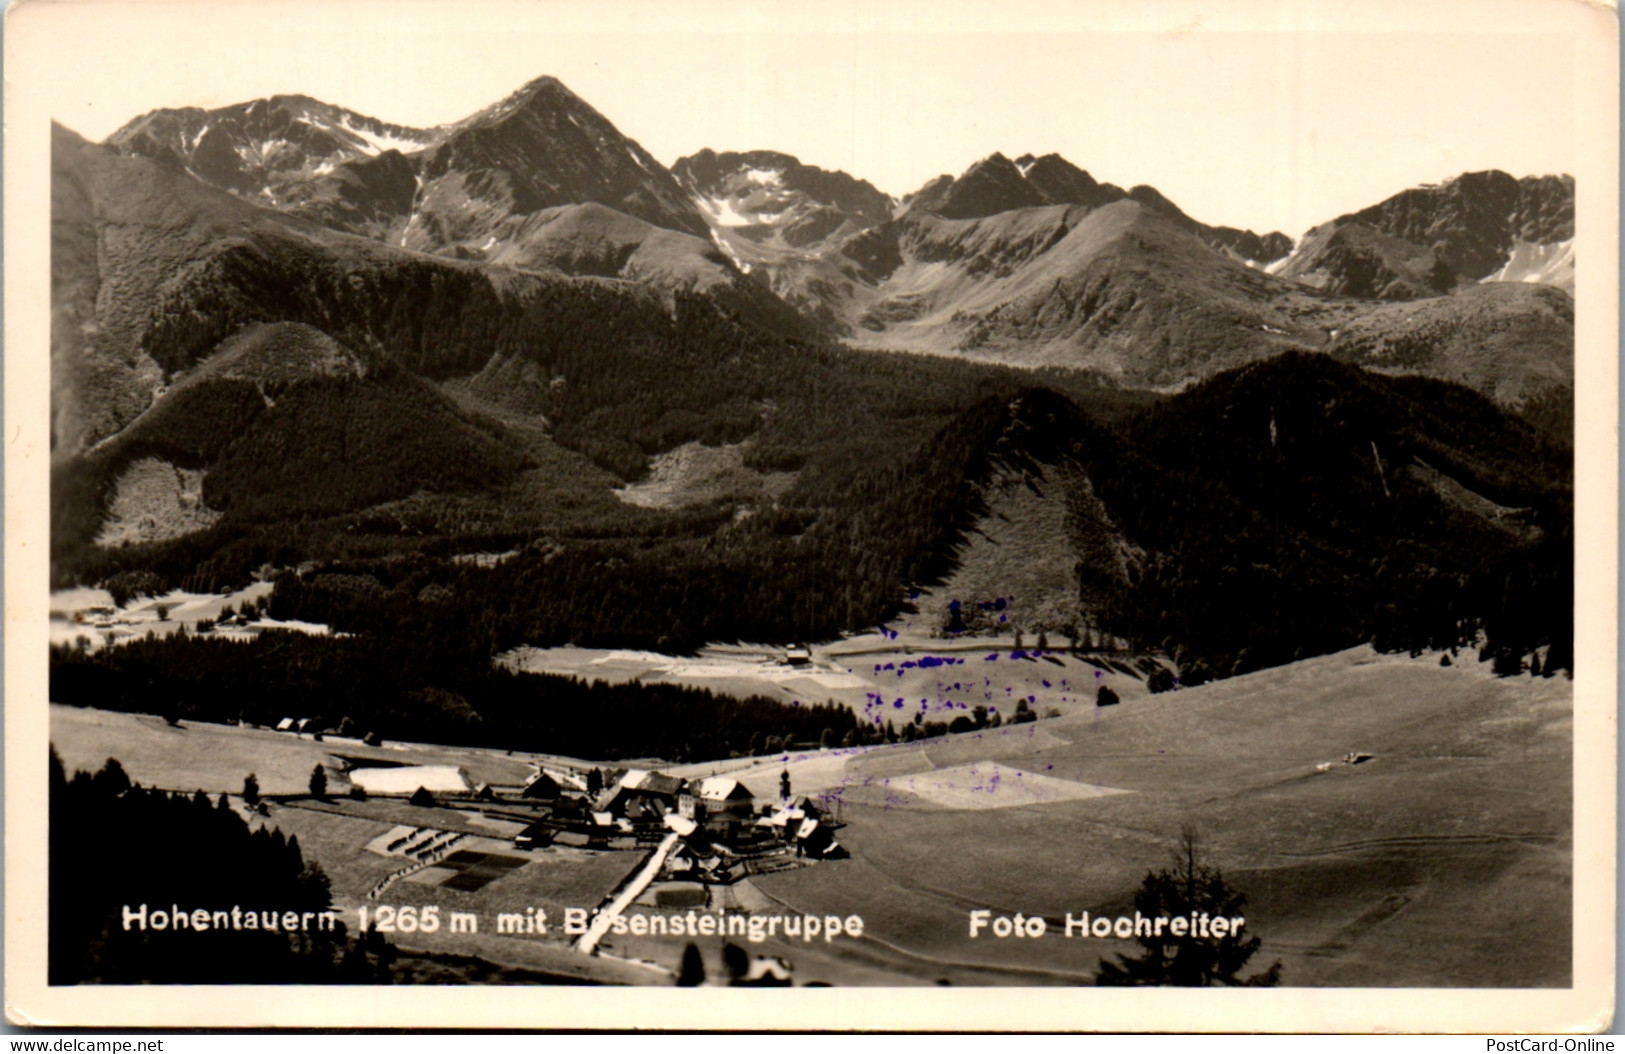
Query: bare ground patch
[[154, 502], [988, 785], [695, 474]]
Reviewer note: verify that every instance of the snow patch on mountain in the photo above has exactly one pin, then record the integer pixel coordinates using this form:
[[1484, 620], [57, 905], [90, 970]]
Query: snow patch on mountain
[[262, 153], [728, 251], [1551, 264], [375, 143], [1277, 266], [721, 213]]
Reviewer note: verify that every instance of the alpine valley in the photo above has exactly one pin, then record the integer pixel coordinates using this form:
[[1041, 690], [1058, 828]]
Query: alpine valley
[[448, 399]]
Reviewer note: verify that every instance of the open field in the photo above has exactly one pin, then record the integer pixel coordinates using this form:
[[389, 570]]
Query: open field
[[881, 678], [72, 619], [1444, 859], [197, 755]]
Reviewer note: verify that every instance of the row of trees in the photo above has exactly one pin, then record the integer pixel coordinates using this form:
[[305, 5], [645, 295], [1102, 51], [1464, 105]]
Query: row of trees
[[413, 687]]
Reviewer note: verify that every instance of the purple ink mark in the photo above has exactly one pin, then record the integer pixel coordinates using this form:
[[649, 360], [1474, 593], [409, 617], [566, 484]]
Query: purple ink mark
[[1048, 685]]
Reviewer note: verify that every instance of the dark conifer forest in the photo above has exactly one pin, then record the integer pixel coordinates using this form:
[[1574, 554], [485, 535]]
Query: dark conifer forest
[[1287, 509], [197, 854]]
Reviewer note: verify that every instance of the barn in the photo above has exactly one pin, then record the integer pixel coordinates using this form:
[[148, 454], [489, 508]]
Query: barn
[[403, 780]]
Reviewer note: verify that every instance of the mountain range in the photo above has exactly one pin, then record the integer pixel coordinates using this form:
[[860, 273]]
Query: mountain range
[[1026, 262], [288, 334]]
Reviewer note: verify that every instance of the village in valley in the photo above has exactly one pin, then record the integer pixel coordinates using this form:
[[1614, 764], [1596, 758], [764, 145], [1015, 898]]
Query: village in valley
[[473, 861], [491, 836]]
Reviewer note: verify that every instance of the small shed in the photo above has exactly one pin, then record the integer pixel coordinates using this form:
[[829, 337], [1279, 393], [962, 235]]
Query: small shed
[[806, 806], [815, 839], [533, 837], [541, 787]]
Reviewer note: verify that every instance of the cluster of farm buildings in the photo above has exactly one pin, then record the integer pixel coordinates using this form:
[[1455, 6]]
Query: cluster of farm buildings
[[725, 832], [647, 805]]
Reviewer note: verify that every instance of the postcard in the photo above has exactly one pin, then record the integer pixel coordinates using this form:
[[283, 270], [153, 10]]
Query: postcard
[[698, 516]]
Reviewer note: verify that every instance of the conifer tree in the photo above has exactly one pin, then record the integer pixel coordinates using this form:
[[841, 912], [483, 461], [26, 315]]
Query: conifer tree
[[1191, 887], [692, 973]]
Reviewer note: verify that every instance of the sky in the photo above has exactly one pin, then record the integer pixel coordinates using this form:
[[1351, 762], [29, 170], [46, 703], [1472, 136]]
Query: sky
[[1267, 114]]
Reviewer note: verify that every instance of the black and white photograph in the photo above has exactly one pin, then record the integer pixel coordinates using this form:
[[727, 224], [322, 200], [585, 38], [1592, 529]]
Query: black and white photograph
[[510, 502]]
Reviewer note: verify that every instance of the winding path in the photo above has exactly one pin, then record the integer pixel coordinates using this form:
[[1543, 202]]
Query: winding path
[[628, 893]]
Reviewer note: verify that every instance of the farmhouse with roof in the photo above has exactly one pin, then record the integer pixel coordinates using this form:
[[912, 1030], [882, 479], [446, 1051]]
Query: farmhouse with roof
[[719, 803], [641, 795], [567, 779]]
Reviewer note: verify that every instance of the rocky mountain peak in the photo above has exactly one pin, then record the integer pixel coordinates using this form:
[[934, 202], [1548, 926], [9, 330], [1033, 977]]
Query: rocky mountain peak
[[991, 185], [766, 194], [1428, 239], [539, 148], [544, 94]]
